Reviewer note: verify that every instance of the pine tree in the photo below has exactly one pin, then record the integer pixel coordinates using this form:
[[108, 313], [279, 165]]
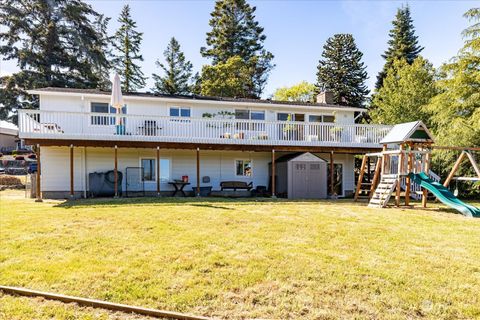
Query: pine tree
[[403, 43], [342, 71], [126, 43], [406, 90], [178, 71], [55, 43], [235, 33]]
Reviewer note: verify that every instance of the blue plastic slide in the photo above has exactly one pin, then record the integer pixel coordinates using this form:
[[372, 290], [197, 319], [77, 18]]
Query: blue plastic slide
[[444, 195]]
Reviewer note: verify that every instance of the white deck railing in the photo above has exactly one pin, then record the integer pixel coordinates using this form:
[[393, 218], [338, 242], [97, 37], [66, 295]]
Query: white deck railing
[[98, 126]]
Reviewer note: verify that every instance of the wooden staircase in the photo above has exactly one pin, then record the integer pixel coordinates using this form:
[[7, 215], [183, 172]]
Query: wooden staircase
[[384, 190]]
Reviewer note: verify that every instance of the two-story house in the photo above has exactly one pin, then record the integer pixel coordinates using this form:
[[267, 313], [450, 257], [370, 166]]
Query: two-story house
[[169, 137]]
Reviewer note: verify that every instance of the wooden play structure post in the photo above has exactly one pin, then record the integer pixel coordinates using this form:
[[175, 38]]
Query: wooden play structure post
[[407, 179], [426, 170], [399, 176], [360, 176]]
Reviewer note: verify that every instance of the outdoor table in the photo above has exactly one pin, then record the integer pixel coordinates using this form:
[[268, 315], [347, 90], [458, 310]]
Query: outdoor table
[[179, 187]]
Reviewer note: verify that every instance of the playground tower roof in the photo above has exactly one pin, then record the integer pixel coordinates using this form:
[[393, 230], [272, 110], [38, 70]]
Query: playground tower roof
[[408, 132]]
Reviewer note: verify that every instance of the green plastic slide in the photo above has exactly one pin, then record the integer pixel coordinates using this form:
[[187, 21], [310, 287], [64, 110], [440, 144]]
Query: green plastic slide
[[444, 195]]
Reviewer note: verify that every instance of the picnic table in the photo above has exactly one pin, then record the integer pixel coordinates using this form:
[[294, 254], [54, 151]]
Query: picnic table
[[179, 185]]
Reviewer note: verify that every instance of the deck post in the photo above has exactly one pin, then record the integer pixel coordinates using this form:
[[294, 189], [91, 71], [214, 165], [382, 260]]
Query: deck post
[[72, 191], [198, 173], [427, 170], [115, 173], [273, 174], [158, 171], [399, 176], [332, 179], [38, 190]]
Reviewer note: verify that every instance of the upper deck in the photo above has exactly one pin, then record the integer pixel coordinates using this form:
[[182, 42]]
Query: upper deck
[[60, 125]]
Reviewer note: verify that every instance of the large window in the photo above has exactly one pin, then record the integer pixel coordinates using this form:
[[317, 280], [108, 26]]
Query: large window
[[250, 115], [243, 168], [149, 166], [290, 117], [101, 107], [321, 118]]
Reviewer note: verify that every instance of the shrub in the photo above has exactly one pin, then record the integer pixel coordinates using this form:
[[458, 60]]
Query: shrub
[[6, 180]]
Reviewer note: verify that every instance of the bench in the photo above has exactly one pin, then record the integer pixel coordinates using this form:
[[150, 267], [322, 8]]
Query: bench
[[236, 185]]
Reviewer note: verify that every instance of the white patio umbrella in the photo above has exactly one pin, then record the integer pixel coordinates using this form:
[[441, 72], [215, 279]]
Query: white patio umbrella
[[116, 99]]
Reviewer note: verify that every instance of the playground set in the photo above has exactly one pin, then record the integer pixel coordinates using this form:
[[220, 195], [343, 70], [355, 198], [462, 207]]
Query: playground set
[[407, 166]]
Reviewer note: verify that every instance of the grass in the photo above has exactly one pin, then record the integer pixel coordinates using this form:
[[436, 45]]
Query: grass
[[241, 259]]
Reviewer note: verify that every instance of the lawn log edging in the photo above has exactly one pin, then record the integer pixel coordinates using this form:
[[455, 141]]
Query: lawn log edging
[[100, 304]]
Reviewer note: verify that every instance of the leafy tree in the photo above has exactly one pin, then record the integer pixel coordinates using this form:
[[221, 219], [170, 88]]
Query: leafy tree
[[235, 33], [342, 71], [403, 43], [405, 91], [55, 43], [303, 91], [126, 43], [178, 71], [229, 79]]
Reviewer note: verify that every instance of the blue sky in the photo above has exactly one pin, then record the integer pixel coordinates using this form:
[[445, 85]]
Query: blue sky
[[296, 31]]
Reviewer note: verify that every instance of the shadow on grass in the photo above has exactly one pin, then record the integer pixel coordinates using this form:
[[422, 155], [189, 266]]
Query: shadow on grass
[[210, 202]]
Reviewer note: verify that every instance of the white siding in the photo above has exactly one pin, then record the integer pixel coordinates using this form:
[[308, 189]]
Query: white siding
[[160, 107], [218, 165]]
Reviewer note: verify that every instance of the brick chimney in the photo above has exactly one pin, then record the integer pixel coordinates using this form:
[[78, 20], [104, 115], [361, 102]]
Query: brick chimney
[[325, 97]]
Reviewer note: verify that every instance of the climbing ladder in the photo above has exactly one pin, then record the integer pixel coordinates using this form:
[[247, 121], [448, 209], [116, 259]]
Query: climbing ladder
[[384, 190]]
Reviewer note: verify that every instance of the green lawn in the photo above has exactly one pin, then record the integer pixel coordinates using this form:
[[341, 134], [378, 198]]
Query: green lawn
[[241, 259]]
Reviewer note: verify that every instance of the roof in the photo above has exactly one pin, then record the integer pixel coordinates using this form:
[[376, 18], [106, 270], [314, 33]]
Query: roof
[[188, 97], [299, 156], [415, 131], [8, 128]]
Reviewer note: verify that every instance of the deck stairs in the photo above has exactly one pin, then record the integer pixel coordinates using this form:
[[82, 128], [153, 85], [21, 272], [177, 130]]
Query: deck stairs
[[384, 191], [366, 183]]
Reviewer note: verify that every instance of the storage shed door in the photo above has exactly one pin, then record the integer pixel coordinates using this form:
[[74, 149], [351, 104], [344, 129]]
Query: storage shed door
[[308, 180]]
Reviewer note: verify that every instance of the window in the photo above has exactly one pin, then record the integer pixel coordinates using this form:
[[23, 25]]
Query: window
[[180, 112], [243, 168], [318, 118], [149, 170], [101, 107], [337, 179], [148, 166], [250, 115], [290, 117]]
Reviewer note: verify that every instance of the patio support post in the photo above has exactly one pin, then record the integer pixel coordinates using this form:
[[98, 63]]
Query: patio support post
[[39, 174], [273, 174], [72, 191], [198, 173], [158, 171], [115, 173], [332, 168], [427, 170]]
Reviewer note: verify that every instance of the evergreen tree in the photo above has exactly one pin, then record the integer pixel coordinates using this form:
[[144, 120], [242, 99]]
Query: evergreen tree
[[227, 79], [178, 71], [126, 43], [403, 43], [55, 43], [342, 71], [406, 90], [235, 33]]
